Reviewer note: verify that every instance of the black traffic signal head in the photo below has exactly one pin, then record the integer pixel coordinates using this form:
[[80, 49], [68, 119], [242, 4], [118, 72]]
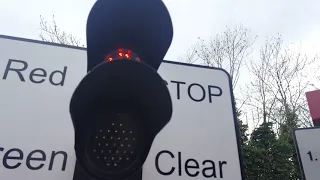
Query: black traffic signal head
[[117, 115], [122, 103], [143, 26]]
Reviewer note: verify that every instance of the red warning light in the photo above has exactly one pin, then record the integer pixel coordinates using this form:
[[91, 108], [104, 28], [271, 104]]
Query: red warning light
[[122, 54]]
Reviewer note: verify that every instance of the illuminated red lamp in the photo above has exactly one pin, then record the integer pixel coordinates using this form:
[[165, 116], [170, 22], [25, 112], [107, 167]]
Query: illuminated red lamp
[[122, 54]]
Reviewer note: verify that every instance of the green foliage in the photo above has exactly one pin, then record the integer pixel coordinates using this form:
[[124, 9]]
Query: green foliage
[[262, 144], [268, 156], [243, 128], [286, 140]]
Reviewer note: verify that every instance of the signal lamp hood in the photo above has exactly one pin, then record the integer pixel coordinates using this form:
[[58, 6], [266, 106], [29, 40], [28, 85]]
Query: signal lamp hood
[[144, 26]]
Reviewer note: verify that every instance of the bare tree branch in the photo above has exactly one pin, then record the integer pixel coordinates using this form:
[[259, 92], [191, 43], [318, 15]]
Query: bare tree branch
[[190, 56], [281, 78], [52, 33], [227, 50]]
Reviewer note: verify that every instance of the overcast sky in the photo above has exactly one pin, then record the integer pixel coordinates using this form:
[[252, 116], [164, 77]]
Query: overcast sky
[[296, 20]]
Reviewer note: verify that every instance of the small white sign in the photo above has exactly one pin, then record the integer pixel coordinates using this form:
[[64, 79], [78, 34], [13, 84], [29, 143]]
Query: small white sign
[[36, 131], [307, 143]]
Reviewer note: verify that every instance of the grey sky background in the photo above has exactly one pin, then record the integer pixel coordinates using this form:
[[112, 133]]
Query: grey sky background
[[296, 20]]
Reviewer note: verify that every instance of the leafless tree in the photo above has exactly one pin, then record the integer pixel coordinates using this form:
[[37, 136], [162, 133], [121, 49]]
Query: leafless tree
[[280, 80], [316, 85], [227, 50], [190, 57], [51, 32]]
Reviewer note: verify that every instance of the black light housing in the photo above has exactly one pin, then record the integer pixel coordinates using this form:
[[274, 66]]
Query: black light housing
[[122, 103], [108, 105], [144, 26]]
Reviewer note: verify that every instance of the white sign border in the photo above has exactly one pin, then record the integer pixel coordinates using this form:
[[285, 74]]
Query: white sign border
[[236, 125]]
